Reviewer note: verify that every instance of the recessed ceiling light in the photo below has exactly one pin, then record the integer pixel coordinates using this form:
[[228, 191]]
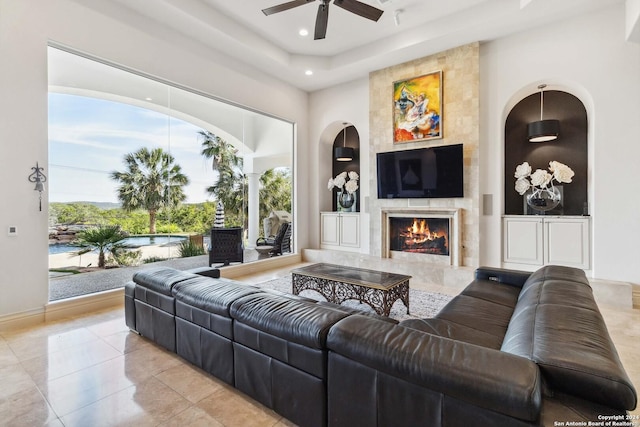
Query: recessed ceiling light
[[303, 32], [148, 99], [309, 72]]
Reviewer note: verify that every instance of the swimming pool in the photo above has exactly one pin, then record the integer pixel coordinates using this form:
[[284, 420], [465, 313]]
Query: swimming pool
[[132, 242]]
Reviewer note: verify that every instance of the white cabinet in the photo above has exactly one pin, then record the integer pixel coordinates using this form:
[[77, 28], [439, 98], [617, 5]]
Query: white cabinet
[[340, 230], [541, 240]]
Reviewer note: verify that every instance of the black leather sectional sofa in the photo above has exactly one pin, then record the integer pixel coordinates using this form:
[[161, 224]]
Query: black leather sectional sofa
[[513, 349]]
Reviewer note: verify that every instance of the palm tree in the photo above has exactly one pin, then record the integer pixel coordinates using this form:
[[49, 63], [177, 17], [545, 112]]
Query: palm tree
[[105, 239], [275, 191], [230, 187], [152, 181]]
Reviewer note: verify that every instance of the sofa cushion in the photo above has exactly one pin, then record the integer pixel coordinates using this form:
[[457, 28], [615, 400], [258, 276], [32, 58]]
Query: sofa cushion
[[161, 279], [211, 295], [488, 290], [300, 322], [444, 328], [476, 313]]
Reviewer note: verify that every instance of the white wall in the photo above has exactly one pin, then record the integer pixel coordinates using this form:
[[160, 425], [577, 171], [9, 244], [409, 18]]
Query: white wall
[[329, 108], [590, 58], [25, 29]]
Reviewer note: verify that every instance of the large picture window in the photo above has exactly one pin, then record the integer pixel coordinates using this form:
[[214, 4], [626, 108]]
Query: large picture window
[[140, 170]]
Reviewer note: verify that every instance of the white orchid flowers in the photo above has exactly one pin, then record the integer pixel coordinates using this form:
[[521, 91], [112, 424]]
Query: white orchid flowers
[[541, 179], [341, 182]]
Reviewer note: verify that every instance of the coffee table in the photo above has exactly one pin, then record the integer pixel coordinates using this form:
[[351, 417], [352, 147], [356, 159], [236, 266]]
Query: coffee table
[[338, 283]]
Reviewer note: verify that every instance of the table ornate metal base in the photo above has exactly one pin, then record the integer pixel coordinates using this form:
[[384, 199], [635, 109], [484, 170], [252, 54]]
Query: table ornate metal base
[[339, 283]]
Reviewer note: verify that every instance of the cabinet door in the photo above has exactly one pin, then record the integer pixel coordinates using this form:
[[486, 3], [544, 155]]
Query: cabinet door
[[350, 230], [567, 242], [330, 229], [522, 241]]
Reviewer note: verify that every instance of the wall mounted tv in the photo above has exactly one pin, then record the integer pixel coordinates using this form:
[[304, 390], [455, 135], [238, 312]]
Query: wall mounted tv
[[435, 172]]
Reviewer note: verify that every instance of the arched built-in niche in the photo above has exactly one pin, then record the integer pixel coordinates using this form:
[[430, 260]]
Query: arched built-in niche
[[570, 148], [347, 137]]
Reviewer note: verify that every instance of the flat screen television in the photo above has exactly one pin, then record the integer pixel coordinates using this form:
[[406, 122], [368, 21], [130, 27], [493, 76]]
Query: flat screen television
[[423, 173]]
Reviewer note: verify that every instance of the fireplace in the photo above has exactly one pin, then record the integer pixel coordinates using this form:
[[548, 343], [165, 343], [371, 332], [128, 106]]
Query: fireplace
[[421, 234]]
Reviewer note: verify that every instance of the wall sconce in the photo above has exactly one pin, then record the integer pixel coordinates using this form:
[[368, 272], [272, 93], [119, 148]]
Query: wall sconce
[[543, 130], [39, 178], [344, 153]]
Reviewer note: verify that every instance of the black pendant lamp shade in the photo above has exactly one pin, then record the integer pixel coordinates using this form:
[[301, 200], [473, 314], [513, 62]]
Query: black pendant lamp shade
[[344, 153], [543, 130]]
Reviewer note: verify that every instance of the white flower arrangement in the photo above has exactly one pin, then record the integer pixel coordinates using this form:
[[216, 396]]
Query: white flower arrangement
[[341, 182], [541, 179]]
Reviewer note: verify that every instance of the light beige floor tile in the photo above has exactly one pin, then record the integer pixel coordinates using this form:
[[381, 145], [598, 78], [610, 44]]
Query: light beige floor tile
[[234, 409], [127, 341], [109, 327], [34, 346], [82, 388], [60, 363], [14, 379], [145, 404], [192, 417], [7, 356], [192, 383], [25, 408], [149, 360]]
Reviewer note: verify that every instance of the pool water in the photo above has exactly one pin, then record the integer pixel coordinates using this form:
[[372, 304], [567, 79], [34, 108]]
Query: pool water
[[133, 242]]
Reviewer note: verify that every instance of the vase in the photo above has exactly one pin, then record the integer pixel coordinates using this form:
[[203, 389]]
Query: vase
[[346, 200], [544, 199]]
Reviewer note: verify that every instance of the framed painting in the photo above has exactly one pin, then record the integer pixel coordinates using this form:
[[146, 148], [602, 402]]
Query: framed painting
[[417, 108]]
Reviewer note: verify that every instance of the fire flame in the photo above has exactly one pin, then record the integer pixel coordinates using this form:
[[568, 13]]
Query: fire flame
[[419, 233]]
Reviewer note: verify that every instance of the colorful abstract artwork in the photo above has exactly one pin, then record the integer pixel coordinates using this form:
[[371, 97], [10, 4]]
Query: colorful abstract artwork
[[417, 108]]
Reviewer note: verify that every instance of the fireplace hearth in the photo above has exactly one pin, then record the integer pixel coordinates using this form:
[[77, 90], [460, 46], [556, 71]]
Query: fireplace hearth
[[419, 235]]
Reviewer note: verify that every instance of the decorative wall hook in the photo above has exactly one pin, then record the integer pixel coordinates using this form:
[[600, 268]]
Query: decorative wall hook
[[39, 178]]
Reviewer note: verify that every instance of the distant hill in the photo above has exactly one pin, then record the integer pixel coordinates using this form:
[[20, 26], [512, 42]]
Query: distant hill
[[99, 205]]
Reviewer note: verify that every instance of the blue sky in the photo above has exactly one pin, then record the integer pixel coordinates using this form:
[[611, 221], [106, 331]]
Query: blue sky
[[89, 137]]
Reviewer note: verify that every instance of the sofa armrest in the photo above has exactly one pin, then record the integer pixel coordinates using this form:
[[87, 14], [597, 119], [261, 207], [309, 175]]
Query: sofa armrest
[[503, 275], [483, 377]]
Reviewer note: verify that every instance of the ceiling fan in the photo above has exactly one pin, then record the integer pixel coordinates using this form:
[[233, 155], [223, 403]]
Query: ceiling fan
[[353, 6]]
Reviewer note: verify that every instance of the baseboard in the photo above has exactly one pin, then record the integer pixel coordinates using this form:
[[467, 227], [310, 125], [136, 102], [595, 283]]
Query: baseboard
[[237, 270], [84, 304], [21, 320]]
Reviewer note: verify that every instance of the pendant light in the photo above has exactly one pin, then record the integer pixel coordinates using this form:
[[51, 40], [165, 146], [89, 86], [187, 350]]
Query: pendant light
[[543, 130], [344, 153]]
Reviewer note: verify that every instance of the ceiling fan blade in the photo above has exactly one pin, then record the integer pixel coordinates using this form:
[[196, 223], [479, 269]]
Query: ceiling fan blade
[[321, 21], [285, 6], [359, 8]]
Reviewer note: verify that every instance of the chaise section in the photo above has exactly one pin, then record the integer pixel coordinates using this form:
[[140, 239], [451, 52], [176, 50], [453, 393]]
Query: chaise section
[[557, 324], [392, 375]]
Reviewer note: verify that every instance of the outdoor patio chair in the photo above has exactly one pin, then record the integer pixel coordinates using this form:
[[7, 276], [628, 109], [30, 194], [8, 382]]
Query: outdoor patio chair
[[277, 245]]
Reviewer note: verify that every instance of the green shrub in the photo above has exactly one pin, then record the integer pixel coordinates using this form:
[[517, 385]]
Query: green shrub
[[168, 229], [126, 258], [190, 248], [153, 259]]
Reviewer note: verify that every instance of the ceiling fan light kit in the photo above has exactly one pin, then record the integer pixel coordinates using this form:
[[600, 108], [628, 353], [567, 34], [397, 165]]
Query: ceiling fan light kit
[[322, 18]]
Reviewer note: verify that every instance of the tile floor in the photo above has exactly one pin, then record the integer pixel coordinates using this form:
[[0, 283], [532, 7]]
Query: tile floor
[[92, 371]]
